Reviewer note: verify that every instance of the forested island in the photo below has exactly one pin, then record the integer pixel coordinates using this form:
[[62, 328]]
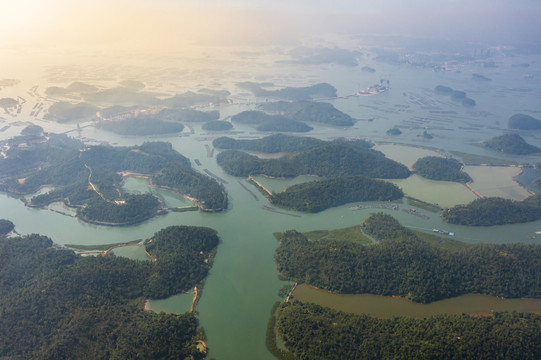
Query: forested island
[[523, 122], [313, 332], [311, 112], [316, 196], [141, 126], [420, 267], [58, 305], [322, 90], [90, 178], [456, 95], [440, 168], [511, 144], [265, 122], [6, 227], [63, 112], [269, 144], [336, 158], [217, 125], [394, 132], [495, 211]]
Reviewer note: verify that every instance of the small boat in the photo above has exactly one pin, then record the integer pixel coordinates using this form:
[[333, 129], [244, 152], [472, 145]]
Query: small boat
[[443, 232]]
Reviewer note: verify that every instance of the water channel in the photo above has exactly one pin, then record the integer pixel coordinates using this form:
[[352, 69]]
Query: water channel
[[243, 283]]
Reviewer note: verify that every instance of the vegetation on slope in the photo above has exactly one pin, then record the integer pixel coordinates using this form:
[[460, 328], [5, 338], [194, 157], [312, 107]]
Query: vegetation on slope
[[313, 332], [270, 144], [311, 112], [217, 125], [265, 122], [315, 196], [329, 160], [511, 144], [403, 264], [291, 93], [90, 178], [495, 211], [141, 126], [439, 168], [523, 122], [56, 304]]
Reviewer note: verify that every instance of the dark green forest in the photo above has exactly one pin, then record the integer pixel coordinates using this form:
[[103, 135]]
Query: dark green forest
[[495, 211], [70, 168], [404, 264], [331, 159], [523, 122], [58, 305], [278, 143], [291, 93], [511, 144], [315, 196], [313, 332], [310, 112], [210, 194], [439, 168], [133, 209], [217, 125], [6, 226]]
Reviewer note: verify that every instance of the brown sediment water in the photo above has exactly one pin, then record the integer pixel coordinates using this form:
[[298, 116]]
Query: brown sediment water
[[390, 306]]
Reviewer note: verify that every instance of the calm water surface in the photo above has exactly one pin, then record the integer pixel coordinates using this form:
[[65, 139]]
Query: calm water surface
[[243, 283], [388, 307]]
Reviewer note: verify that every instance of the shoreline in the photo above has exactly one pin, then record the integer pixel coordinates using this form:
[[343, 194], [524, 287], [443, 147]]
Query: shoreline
[[415, 309]]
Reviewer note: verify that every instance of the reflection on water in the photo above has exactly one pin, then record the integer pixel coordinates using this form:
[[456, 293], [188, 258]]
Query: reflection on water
[[243, 283], [175, 304], [387, 306]]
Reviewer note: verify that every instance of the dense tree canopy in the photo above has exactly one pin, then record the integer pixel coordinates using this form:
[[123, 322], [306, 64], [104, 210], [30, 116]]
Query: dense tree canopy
[[523, 122], [403, 264], [495, 211], [330, 159], [309, 111], [511, 144], [439, 168], [291, 93], [89, 178], [282, 143], [141, 126], [57, 305], [217, 125], [313, 332]]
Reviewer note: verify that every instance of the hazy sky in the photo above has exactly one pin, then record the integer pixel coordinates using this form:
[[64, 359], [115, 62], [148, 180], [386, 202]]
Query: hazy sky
[[171, 23]]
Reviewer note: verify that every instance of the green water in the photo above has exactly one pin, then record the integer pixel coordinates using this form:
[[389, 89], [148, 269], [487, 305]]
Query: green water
[[132, 252], [388, 307], [443, 193], [243, 283], [175, 304]]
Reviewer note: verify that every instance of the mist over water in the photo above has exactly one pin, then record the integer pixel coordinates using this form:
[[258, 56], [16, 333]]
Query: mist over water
[[178, 46]]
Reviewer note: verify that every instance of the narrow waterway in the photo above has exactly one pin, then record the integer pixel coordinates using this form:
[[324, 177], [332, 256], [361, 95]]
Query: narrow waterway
[[243, 283]]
